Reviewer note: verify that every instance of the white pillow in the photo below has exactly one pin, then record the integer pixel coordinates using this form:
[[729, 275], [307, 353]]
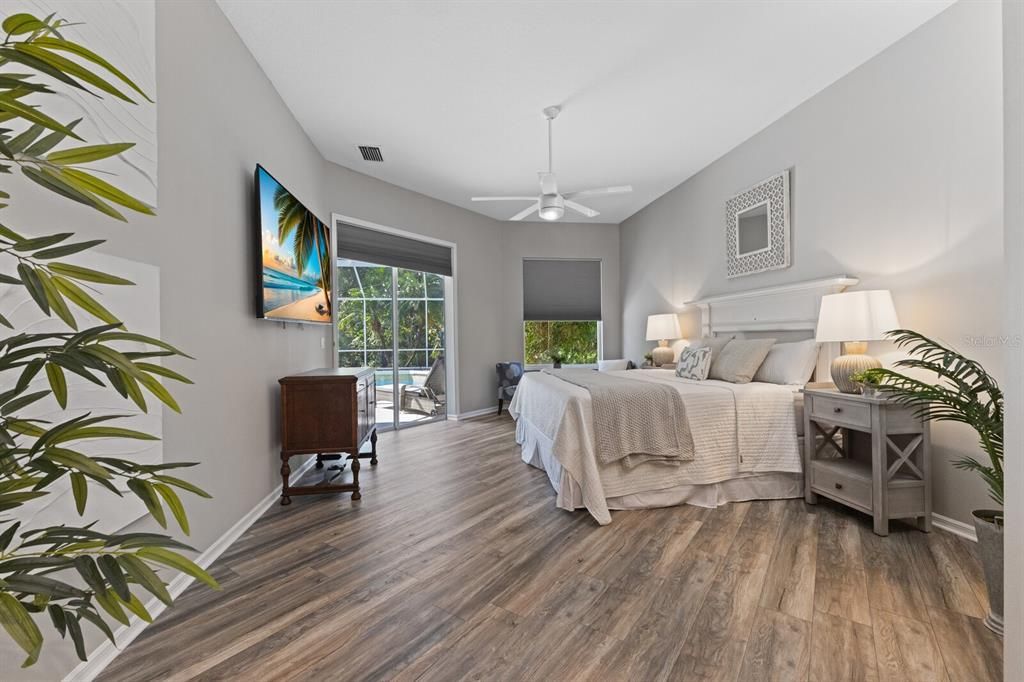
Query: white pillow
[[789, 363], [612, 365]]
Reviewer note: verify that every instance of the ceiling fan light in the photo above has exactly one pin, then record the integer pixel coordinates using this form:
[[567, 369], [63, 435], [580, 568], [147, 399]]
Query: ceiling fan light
[[551, 213]]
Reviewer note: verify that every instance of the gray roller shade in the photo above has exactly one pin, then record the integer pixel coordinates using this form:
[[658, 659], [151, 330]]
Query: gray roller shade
[[561, 289], [384, 248]]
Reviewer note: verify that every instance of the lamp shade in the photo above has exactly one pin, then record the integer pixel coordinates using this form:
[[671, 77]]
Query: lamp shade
[[663, 326], [856, 316]]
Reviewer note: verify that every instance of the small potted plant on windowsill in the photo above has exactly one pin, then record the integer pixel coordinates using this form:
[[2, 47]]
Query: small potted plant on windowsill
[[964, 393], [557, 358]]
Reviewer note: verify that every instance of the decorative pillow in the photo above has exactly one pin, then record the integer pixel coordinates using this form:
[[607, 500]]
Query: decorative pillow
[[715, 343], [789, 363], [739, 360], [612, 365], [694, 363]]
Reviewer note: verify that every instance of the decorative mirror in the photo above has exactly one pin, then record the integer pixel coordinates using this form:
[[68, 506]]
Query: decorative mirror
[[757, 227]]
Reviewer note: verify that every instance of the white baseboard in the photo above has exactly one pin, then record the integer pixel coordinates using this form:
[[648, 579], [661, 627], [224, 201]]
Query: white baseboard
[[955, 527], [105, 653], [469, 415]]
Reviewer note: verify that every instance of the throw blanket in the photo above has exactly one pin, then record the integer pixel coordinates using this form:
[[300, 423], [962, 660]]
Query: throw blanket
[[634, 421]]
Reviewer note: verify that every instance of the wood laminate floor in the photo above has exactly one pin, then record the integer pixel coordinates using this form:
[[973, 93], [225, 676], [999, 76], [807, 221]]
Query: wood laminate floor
[[457, 565]]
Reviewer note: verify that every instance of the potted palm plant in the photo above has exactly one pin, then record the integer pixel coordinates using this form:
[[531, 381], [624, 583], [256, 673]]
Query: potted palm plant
[[557, 358], [965, 393]]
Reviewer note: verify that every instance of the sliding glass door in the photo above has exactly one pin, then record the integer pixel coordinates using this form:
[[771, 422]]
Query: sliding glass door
[[393, 319]]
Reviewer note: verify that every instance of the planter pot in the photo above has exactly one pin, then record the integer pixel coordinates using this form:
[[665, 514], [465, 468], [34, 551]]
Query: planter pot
[[990, 551], [557, 365]]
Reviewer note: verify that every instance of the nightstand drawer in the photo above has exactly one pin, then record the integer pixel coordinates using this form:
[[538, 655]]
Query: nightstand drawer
[[841, 412], [835, 479]]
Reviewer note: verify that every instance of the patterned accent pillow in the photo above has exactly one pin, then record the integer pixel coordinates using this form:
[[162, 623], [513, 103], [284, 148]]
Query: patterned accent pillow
[[694, 363]]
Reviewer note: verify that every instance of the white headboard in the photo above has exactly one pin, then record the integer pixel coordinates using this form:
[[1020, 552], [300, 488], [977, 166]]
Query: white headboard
[[786, 311]]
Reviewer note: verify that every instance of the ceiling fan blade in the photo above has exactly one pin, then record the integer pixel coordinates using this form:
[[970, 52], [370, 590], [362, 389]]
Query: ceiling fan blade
[[580, 208], [548, 183], [525, 212], [618, 189], [503, 199]]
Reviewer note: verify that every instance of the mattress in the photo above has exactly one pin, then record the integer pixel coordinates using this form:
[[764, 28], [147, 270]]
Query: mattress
[[740, 431]]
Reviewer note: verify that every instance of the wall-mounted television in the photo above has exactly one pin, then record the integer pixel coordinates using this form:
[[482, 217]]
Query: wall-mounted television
[[294, 282]]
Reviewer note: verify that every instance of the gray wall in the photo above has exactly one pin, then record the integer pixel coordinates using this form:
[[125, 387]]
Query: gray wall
[[1013, 121], [896, 179], [558, 240]]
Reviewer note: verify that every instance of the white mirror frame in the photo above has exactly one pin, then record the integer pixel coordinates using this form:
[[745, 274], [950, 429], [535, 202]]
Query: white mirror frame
[[774, 192]]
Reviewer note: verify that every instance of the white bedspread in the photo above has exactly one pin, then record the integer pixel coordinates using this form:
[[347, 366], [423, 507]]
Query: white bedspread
[[738, 430]]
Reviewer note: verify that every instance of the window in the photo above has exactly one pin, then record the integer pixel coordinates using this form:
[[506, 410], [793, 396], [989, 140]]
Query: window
[[575, 341], [561, 311]]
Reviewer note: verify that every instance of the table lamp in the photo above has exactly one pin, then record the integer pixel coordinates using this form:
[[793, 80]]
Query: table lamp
[[661, 328], [853, 318]]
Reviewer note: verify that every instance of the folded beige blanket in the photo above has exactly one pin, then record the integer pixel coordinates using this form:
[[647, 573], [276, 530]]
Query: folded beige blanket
[[634, 421]]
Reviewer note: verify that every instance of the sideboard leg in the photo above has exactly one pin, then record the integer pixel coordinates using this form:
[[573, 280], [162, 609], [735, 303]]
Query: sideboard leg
[[286, 472], [373, 446], [355, 477]]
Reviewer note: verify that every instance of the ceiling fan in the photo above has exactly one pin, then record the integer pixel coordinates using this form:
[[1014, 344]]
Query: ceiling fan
[[551, 205]]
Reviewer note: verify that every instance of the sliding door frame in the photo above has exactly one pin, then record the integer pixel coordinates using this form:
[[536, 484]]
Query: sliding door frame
[[451, 340]]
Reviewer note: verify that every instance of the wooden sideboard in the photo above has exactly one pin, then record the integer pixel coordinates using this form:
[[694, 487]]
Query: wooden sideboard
[[328, 413]]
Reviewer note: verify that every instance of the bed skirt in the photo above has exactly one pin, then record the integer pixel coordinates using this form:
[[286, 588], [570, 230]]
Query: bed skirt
[[537, 451]]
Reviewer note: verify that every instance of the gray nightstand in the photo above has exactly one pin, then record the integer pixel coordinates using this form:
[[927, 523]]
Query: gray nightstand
[[868, 453]]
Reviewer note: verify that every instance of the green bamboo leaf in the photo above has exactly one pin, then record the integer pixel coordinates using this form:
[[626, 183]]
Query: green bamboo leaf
[[110, 603], [158, 390], [80, 490], [101, 625], [48, 142], [173, 503], [144, 491], [133, 390], [56, 301], [145, 576], [41, 242], [112, 571], [33, 115], [163, 371], [35, 288], [78, 50], [76, 295], [94, 185], [75, 632], [25, 138], [53, 182], [58, 384], [8, 535], [135, 605], [20, 23], [179, 563], [57, 616], [86, 432], [87, 274], [5, 322], [184, 485], [73, 69], [88, 153], [7, 279], [39, 584], [20, 626], [12, 406], [141, 338], [67, 249], [76, 460]]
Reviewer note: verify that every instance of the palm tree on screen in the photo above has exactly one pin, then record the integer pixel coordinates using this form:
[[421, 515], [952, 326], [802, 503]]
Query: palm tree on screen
[[310, 237]]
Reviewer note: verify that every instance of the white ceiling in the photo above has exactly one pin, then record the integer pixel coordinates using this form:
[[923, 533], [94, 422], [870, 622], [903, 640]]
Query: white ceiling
[[652, 92]]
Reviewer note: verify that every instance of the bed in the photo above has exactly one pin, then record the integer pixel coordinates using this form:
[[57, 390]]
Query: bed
[[747, 438]]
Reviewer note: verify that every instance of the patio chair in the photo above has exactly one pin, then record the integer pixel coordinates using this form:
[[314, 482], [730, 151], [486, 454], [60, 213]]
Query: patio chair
[[509, 374], [429, 398]]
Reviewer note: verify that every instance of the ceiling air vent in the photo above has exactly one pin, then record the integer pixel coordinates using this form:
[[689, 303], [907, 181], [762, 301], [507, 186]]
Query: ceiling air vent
[[371, 154]]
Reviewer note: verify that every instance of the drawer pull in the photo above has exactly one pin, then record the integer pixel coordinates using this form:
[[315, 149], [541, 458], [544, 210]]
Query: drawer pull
[[839, 486], [837, 410]]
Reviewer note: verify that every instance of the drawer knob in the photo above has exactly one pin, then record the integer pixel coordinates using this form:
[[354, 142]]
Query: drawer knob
[[839, 486], [837, 410]]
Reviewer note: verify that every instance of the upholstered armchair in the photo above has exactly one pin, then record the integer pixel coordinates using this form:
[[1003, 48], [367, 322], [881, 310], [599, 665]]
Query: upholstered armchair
[[509, 374]]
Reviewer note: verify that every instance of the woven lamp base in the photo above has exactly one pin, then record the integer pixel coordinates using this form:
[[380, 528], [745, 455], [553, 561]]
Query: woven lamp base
[[662, 355], [846, 366]]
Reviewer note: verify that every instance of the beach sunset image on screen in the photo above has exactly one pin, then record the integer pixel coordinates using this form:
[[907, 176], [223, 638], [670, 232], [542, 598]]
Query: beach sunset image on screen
[[296, 275]]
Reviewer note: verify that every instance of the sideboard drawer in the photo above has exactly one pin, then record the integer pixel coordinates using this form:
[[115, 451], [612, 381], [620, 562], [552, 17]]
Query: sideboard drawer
[[841, 412]]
